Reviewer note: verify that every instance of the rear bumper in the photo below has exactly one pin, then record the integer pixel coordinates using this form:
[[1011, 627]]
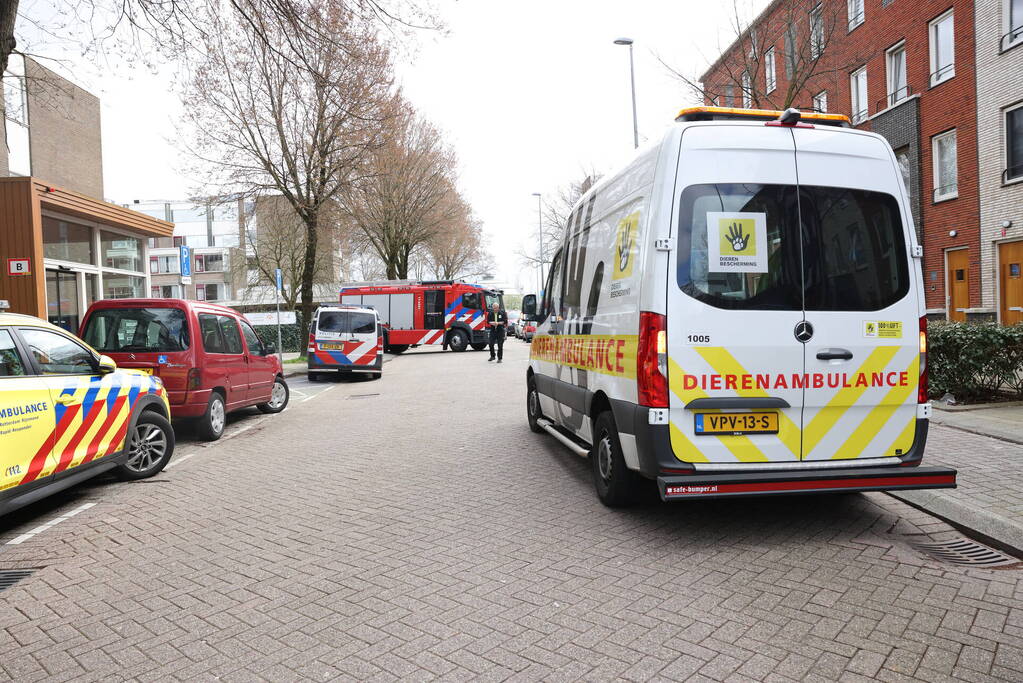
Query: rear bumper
[[731, 484], [376, 366]]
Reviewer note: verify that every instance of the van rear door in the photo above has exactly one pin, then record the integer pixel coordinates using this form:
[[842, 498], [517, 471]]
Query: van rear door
[[862, 299], [735, 298]]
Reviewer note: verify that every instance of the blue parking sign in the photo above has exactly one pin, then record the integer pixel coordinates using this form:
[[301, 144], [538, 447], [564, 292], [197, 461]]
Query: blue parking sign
[[186, 260]]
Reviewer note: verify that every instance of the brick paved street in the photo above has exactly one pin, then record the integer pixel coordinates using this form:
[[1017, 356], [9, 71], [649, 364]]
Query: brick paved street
[[413, 528]]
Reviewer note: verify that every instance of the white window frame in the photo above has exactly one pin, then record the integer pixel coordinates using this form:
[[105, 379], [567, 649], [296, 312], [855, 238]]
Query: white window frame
[[936, 174], [1008, 40], [894, 96], [769, 71], [816, 31], [932, 31], [1005, 145], [856, 17], [747, 90], [818, 99], [858, 115]]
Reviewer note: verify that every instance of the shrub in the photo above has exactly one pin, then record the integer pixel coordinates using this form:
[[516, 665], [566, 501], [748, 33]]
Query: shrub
[[974, 362], [291, 338]]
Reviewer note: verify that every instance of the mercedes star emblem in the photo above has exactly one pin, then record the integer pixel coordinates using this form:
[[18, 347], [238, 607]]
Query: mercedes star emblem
[[803, 331]]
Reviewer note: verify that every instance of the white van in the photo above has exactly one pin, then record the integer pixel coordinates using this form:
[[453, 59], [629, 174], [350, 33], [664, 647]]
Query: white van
[[345, 339], [740, 311]]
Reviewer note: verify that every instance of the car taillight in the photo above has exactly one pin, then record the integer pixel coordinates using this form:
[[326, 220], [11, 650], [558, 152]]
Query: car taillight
[[312, 342], [652, 360], [194, 379], [923, 390]]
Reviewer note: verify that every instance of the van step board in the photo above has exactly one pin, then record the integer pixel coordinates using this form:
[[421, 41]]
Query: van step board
[[767, 483], [571, 443]]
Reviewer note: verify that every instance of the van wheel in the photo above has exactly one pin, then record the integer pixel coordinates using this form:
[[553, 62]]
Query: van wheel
[[616, 484], [279, 396], [533, 412], [312, 376], [150, 446], [375, 375], [479, 347], [458, 340], [211, 425]]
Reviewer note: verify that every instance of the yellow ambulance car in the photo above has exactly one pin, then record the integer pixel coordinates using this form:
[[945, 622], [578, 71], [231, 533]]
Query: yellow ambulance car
[[68, 414]]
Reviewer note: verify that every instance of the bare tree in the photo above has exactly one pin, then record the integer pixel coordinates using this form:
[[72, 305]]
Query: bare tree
[[260, 125], [799, 31], [458, 250], [403, 200]]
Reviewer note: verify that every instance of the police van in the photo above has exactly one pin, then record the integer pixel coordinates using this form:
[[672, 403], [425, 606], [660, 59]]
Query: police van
[[740, 311], [344, 340]]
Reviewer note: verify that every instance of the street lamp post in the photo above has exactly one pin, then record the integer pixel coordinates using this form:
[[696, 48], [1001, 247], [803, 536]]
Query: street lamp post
[[632, 78], [539, 236]]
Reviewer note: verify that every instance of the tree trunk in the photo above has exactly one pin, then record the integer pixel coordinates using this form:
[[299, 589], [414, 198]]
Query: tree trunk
[[308, 272], [8, 15]]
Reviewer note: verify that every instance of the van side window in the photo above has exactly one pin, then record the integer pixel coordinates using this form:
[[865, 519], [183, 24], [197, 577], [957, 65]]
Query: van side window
[[252, 339], [232, 338], [212, 336], [552, 289], [10, 359]]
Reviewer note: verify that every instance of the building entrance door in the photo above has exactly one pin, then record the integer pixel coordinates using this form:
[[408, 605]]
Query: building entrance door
[[1010, 284], [62, 299], [958, 295]]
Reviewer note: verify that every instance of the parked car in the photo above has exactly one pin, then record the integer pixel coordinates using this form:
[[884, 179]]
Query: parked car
[[514, 318], [528, 330], [67, 414], [209, 357]]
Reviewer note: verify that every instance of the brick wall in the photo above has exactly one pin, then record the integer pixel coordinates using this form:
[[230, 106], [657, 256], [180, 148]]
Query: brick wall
[[950, 104], [999, 84]]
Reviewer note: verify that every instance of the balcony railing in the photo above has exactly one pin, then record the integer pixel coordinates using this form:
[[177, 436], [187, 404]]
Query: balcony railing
[[859, 116], [943, 73], [945, 192], [893, 98], [1011, 39]]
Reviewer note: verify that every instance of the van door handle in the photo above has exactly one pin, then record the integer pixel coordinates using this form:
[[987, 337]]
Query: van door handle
[[834, 354]]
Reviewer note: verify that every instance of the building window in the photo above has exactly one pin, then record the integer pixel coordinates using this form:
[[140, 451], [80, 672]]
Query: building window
[[855, 13], [816, 32], [898, 90], [902, 159], [769, 70], [16, 117], [946, 171], [209, 263], [179, 241], [942, 39], [1014, 24], [165, 291], [858, 91], [164, 264], [123, 286], [729, 97], [66, 241], [121, 251], [820, 102], [790, 51], [211, 292], [1014, 143], [747, 91]]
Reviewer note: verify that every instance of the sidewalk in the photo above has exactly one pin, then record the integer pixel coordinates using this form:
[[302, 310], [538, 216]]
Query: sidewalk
[[985, 444]]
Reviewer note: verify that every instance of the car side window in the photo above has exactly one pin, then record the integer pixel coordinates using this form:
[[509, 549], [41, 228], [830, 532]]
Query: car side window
[[471, 300], [212, 336], [11, 364], [232, 338], [56, 354], [552, 290], [252, 340]]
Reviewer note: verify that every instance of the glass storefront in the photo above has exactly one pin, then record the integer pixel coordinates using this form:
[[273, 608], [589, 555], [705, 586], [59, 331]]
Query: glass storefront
[[66, 241], [62, 299], [123, 286], [120, 251]]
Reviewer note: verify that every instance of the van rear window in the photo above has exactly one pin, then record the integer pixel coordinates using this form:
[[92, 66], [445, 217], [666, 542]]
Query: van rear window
[[157, 330], [344, 322], [773, 247]]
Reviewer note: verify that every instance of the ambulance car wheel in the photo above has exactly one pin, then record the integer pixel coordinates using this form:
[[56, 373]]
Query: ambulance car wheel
[[150, 446], [279, 396], [533, 412], [211, 425], [617, 485], [458, 341], [478, 347]]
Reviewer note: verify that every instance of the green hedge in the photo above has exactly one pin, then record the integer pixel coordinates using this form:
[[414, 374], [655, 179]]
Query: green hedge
[[975, 361], [291, 338]]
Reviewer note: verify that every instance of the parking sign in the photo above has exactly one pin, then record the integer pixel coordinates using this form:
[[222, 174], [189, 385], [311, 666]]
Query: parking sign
[[185, 257]]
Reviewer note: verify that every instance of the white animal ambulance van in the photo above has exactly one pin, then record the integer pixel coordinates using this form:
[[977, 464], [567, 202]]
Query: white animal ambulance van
[[740, 311]]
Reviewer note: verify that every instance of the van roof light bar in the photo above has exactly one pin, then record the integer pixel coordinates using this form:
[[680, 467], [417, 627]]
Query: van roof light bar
[[735, 114]]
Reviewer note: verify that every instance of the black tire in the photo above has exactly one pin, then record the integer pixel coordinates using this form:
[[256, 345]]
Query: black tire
[[312, 376], [616, 484], [376, 375], [277, 403], [533, 410], [150, 447], [397, 349], [458, 340], [479, 347], [212, 423]]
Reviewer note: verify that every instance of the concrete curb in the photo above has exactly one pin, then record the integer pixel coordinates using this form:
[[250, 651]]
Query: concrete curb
[[995, 530], [993, 432]]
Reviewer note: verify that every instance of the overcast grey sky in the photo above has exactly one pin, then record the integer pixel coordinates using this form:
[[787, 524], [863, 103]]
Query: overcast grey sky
[[529, 93]]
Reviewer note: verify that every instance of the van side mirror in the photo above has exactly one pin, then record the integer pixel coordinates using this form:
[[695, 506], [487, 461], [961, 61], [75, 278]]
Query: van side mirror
[[269, 349], [529, 306], [106, 365]]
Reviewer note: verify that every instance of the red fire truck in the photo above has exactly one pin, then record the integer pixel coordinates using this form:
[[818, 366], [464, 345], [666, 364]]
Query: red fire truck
[[451, 313]]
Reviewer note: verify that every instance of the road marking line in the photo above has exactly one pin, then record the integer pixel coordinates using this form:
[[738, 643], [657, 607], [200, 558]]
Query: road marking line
[[178, 461], [315, 395], [53, 522], [238, 431]]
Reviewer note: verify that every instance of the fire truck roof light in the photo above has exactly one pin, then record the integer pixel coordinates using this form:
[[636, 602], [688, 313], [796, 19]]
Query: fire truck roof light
[[737, 114]]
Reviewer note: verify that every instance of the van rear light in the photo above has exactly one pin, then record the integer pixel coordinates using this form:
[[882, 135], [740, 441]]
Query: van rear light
[[652, 360], [194, 380], [924, 389], [312, 342]]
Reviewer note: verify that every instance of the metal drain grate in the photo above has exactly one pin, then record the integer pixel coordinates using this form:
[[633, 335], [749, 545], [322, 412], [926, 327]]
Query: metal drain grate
[[9, 577], [965, 551], [362, 395]]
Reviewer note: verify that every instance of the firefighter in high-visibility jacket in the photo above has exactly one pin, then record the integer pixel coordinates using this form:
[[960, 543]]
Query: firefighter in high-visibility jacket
[[497, 320]]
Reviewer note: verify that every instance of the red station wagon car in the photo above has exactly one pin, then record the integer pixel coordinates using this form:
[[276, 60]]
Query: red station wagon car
[[210, 359]]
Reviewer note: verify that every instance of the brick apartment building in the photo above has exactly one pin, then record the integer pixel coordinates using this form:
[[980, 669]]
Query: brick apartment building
[[904, 69]]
